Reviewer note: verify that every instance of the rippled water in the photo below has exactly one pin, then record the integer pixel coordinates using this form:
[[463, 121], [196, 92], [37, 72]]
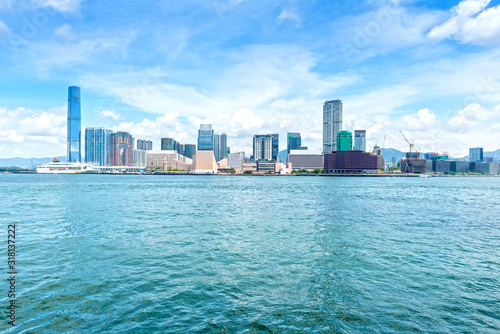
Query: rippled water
[[215, 254]]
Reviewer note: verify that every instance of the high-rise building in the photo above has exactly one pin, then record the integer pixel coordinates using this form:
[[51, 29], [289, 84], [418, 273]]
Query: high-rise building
[[360, 140], [220, 146], [74, 125], [476, 154], [266, 147], [293, 141], [344, 141], [121, 145], [97, 146], [169, 144], [205, 138], [332, 124], [144, 145], [188, 150]]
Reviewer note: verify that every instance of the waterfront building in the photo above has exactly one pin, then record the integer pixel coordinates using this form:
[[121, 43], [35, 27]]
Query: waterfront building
[[350, 162], [413, 164], [163, 160], [344, 141], [494, 168], [74, 130], [235, 161], [139, 158], [250, 167], [441, 166], [266, 147], [145, 145], [97, 146], [479, 167], [121, 145], [306, 159], [220, 146], [205, 138], [459, 166], [476, 154], [169, 144], [204, 162], [332, 124], [360, 142]]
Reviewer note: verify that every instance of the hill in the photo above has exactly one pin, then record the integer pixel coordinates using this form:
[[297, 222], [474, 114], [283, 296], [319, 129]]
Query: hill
[[27, 162]]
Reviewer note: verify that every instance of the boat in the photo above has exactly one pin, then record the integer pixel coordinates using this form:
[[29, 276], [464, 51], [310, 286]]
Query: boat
[[57, 167], [425, 175]]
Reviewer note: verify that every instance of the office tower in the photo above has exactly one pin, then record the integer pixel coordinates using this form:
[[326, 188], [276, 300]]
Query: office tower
[[169, 144], [266, 147], [476, 154], [332, 124], [121, 145], [144, 145], [97, 146], [293, 141], [344, 141], [220, 146], [189, 150], [205, 138], [74, 125], [360, 140]]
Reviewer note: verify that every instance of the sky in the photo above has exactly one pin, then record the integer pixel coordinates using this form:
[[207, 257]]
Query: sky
[[161, 68]]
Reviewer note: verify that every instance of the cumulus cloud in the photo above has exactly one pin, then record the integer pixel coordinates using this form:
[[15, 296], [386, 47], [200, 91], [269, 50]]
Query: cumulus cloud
[[471, 22], [110, 114], [290, 14]]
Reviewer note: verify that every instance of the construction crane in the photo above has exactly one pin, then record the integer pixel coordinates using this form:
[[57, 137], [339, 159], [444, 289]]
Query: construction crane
[[412, 145]]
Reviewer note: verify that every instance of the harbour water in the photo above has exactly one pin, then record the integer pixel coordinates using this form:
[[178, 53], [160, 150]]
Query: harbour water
[[247, 254]]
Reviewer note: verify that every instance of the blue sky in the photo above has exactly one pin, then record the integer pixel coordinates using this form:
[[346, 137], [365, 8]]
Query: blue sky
[[160, 68]]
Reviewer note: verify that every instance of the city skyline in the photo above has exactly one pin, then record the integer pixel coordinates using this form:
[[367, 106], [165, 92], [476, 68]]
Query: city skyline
[[430, 69]]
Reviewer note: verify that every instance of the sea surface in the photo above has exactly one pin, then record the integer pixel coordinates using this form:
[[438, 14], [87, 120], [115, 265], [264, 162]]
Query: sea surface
[[252, 254]]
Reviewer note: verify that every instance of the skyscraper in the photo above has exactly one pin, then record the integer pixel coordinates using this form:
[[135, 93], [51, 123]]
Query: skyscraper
[[360, 140], [74, 125], [332, 124], [121, 145], [97, 146], [220, 146], [189, 150], [476, 154], [169, 144], [266, 147], [344, 141], [205, 138], [144, 145], [293, 141]]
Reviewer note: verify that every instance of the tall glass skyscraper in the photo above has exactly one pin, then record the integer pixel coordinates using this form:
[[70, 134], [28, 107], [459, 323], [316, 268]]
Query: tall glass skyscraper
[[360, 140], [332, 124], [476, 154], [97, 146], [293, 141], [205, 138], [220, 146], [74, 125], [266, 147]]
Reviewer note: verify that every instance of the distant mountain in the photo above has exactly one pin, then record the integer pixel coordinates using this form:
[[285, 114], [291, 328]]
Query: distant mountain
[[388, 153], [26, 162], [495, 155]]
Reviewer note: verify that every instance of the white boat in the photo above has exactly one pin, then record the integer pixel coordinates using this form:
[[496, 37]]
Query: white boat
[[57, 167], [425, 175]]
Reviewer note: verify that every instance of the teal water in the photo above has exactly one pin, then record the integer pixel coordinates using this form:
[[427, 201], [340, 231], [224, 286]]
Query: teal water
[[215, 254]]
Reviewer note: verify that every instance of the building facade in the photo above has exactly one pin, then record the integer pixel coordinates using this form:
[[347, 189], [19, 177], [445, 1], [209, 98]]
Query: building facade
[[476, 154], [188, 150], [293, 141], [350, 162], [332, 124], [164, 160], [97, 146], [139, 158], [144, 145], [74, 125], [235, 161], [344, 141], [205, 138], [121, 145], [360, 140], [169, 144], [220, 146], [306, 159], [266, 147]]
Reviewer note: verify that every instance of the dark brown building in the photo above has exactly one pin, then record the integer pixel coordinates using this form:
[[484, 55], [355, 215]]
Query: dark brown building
[[351, 162]]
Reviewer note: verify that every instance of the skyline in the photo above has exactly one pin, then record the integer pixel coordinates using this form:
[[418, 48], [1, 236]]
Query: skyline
[[248, 68]]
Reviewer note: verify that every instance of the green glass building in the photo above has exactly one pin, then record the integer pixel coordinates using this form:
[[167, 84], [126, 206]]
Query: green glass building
[[344, 141]]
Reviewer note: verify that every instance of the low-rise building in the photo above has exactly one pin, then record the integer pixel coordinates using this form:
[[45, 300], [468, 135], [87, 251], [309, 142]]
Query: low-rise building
[[204, 162], [163, 160], [350, 162], [306, 159]]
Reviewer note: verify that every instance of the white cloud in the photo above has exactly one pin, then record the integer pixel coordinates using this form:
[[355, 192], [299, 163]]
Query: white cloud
[[65, 33], [290, 14], [63, 6], [111, 114], [472, 23], [4, 29], [34, 133]]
